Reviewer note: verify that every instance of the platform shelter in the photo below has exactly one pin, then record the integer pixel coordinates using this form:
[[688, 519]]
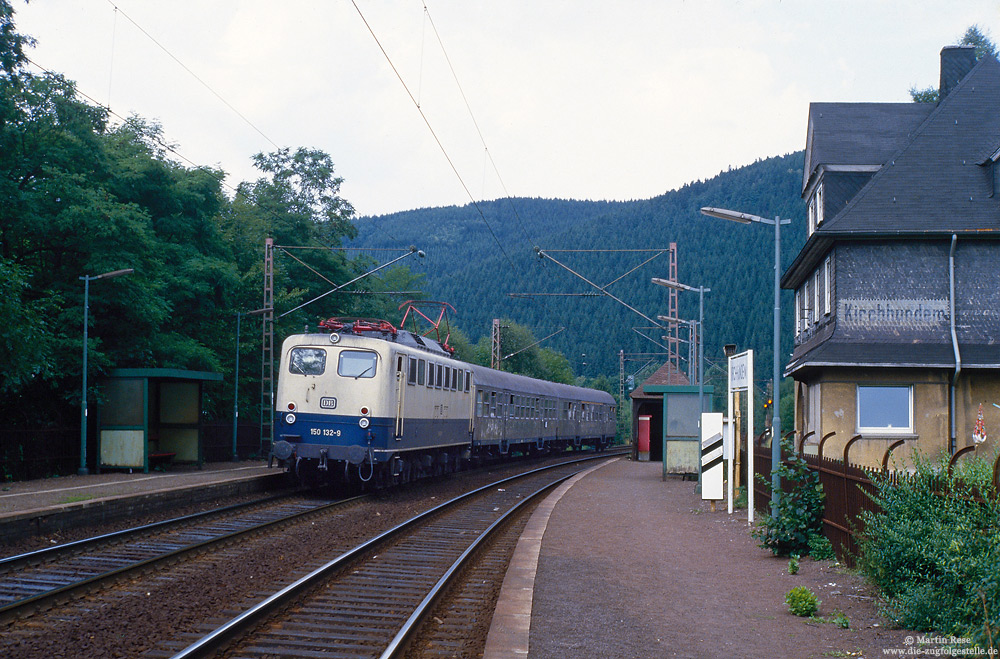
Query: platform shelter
[[670, 402], [151, 416]]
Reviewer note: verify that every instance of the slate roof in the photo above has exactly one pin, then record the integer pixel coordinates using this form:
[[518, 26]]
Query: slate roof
[[938, 182], [664, 376], [858, 133]]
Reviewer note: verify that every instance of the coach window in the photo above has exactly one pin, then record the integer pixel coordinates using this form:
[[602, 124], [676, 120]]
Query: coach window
[[493, 403], [307, 361], [421, 367], [458, 384], [447, 377], [357, 364], [411, 375], [468, 381], [440, 375]]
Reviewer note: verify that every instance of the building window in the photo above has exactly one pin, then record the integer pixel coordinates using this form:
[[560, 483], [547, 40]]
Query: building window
[[807, 312], [816, 297], [885, 409], [798, 311], [812, 215], [826, 287], [819, 205]]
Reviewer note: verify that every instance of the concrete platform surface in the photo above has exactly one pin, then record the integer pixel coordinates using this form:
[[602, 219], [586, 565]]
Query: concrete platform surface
[[619, 563], [46, 493]]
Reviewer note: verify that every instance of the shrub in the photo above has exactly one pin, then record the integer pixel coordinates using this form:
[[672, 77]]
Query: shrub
[[934, 549], [802, 602], [793, 564], [820, 548], [800, 509]]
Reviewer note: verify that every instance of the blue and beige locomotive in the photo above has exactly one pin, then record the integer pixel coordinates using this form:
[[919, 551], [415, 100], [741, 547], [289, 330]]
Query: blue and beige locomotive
[[372, 403]]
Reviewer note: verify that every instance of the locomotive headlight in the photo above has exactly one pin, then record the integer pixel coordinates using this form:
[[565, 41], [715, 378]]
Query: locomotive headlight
[[363, 422], [334, 338], [289, 419]]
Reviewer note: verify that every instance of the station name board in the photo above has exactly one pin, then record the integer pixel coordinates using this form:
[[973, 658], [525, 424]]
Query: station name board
[[894, 313]]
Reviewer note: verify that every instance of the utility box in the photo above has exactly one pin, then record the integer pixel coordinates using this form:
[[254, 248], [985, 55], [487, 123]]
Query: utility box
[[151, 415]]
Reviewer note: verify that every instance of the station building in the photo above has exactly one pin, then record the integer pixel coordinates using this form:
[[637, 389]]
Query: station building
[[897, 288]]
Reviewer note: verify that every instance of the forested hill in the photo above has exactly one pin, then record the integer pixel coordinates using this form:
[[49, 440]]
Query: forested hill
[[478, 255]]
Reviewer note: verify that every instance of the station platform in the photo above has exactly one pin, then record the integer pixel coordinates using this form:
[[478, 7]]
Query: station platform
[[620, 563], [53, 504]]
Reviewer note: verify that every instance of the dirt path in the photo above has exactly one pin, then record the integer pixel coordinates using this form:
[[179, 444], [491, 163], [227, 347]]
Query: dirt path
[[635, 567]]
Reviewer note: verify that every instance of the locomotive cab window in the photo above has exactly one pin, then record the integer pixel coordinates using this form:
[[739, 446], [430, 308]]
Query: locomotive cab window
[[307, 361], [357, 364], [411, 374], [421, 368]]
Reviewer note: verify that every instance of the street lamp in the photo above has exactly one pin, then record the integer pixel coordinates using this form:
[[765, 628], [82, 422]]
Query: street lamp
[[700, 290], [82, 471], [236, 371], [746, 218]]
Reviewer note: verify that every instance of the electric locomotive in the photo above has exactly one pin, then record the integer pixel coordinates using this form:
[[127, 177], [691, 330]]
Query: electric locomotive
[[371, 403]]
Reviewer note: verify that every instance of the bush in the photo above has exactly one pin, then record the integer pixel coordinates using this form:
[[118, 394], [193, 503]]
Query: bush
[[800, 509], [934, 550], [802, 602], [821, 549]]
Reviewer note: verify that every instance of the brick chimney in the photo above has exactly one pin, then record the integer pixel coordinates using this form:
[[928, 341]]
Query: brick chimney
[[956, 62]]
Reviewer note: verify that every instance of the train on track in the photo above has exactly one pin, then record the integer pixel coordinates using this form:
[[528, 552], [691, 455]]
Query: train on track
[[367, 402]]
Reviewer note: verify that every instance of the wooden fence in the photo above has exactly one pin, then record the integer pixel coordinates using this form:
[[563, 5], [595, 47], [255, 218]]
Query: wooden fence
[[848, 488]]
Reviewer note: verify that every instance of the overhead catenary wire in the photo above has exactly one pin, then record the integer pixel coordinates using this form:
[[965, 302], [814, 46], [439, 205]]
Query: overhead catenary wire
[[475, 123], [434, 134], [194, 75], [437, 140]]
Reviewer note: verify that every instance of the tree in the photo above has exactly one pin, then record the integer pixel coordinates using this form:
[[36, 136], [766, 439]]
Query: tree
[[973, 36]]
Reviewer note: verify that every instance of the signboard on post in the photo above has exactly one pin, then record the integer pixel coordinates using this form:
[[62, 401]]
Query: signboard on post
[[711, 457], [741, 379]]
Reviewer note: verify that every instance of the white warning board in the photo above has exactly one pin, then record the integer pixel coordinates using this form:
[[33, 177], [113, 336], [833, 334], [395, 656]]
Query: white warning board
[[711, 456]]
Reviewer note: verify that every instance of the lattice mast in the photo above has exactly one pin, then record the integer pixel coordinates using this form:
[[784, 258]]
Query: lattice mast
[[495, 353], [267, 353], [673, 328]]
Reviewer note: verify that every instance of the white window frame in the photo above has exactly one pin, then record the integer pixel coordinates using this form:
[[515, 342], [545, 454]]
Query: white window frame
[[798, 311], [884, 430], [819, 205], [811, 206], [816, 297], [827, 297]]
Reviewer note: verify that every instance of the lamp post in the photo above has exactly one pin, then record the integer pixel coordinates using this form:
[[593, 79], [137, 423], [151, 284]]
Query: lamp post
[[700, 290], [236, 371], [82, 471], [746, 218]]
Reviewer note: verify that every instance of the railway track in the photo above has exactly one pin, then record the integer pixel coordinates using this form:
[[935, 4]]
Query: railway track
[[38, 580], [370, 601]]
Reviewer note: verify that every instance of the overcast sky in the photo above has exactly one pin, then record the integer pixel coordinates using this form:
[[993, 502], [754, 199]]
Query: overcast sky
[[581, 99]]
